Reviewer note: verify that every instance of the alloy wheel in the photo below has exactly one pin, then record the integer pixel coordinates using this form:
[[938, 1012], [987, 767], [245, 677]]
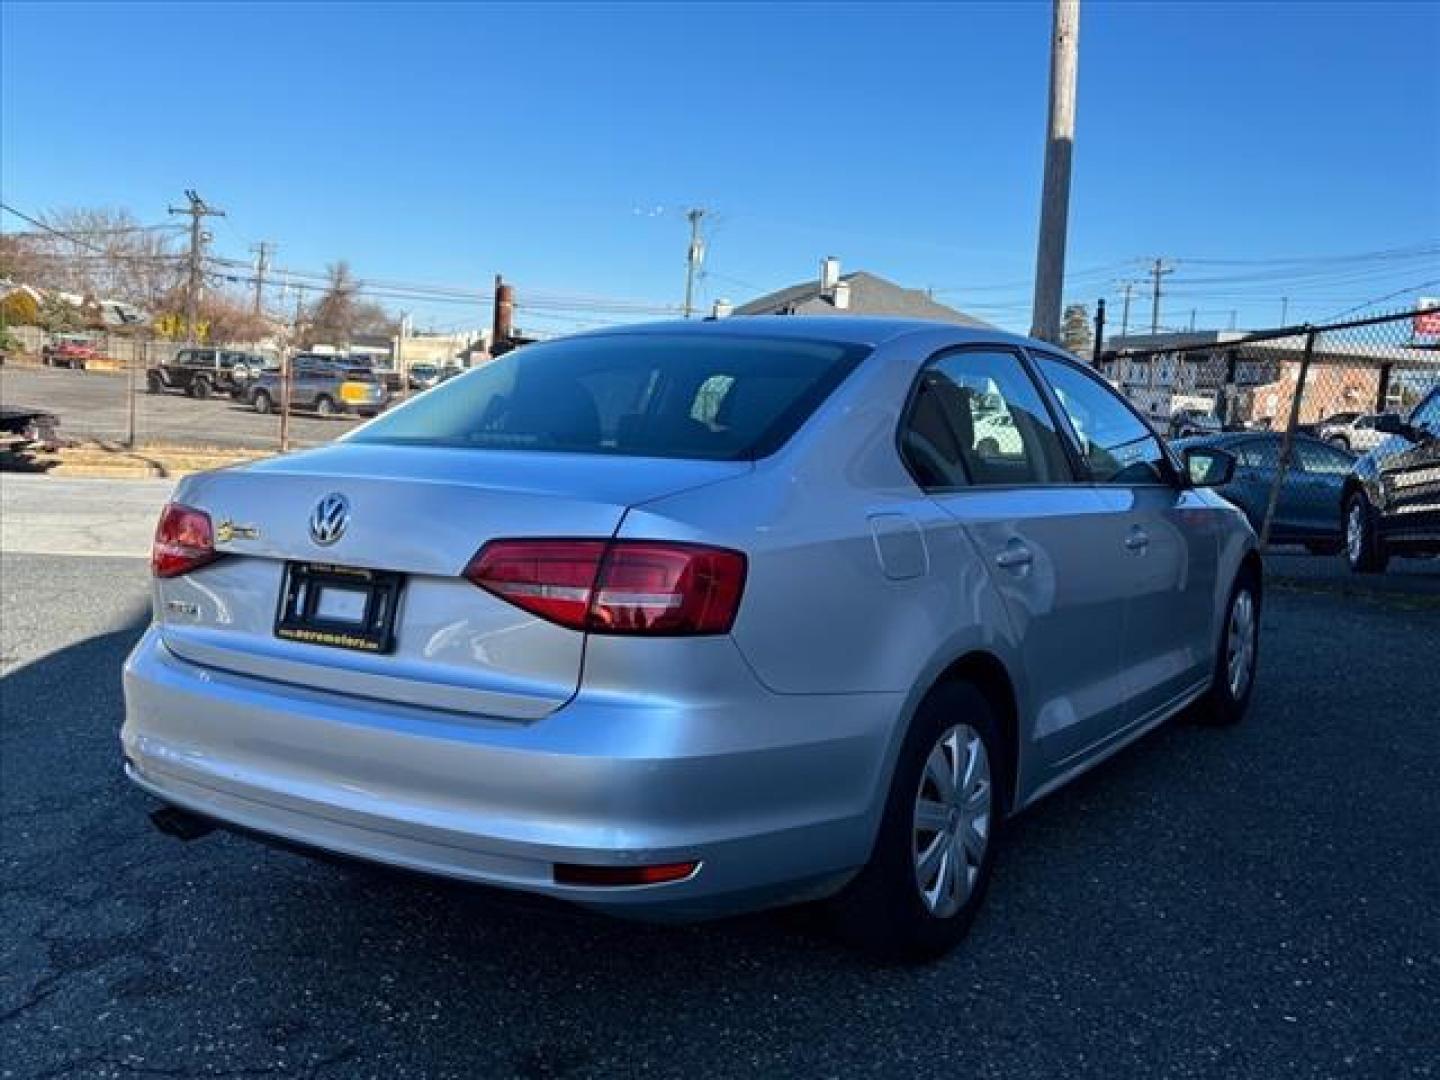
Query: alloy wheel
[[952, 820]]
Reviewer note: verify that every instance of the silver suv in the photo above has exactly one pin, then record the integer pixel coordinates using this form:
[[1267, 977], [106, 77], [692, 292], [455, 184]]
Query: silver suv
[[679, 620]]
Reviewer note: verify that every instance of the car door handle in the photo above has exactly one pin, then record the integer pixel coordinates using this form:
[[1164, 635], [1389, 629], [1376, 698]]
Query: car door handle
[[1014, 556], [1138, 540]]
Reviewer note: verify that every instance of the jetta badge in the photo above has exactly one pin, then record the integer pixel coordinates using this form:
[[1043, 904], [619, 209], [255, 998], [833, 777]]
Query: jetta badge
[[329, 519]]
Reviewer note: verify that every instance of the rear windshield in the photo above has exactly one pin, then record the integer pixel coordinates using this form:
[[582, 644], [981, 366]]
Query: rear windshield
[[642, 395]]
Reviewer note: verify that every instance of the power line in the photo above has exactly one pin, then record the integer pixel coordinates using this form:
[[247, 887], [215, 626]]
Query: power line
[[1381, 299]]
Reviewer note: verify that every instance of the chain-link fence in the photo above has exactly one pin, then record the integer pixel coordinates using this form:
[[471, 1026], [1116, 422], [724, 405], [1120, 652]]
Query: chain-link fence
[[127, 391], [1298, 407]]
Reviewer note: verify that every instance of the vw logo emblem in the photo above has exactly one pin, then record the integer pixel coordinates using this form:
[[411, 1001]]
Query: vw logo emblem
[[329, 519]]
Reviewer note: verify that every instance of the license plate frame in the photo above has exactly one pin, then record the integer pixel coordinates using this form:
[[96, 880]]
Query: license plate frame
[[297, 615]]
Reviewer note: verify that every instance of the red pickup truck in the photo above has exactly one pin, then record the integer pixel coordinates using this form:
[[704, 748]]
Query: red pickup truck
[[68, 352]]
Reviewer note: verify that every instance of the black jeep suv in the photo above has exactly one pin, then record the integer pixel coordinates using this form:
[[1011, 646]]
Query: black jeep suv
[[1392, 496], [205, 371]]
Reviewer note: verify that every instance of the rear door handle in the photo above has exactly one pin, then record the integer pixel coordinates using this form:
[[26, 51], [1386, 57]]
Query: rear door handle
[[1014, 556], [1138, 540]]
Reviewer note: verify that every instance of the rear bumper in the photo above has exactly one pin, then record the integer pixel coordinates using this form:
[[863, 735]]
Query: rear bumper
[[776, 796]]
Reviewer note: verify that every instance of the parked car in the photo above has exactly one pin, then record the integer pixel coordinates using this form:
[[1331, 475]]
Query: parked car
[[1308, 509], [329, 390], [1392, 497], [73, 351], [201, 372], [422, 376], [685, 619], [1357, 432], [1187, 422]]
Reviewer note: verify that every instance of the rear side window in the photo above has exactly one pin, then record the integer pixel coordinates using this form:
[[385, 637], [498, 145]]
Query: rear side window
[[977, 419], [642, 395]]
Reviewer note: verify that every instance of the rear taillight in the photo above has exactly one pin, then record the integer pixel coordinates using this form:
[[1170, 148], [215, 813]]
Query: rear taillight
[[620, 587], [184, 541]]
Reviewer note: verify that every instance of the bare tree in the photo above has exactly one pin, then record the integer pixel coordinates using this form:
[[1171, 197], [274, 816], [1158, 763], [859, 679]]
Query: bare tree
[[97, 253], [333, 318]]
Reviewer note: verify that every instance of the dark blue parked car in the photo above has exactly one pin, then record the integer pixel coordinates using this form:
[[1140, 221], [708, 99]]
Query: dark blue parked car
[[1309, 510]]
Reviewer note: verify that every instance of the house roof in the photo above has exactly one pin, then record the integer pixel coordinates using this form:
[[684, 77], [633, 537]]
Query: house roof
[[869, 295]]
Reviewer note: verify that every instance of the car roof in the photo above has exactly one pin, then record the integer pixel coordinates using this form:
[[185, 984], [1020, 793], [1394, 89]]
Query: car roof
[[839, 329]]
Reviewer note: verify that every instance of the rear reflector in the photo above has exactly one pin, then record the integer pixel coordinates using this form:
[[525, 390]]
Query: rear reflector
[[184, 541], [619, 876], [618, 587]]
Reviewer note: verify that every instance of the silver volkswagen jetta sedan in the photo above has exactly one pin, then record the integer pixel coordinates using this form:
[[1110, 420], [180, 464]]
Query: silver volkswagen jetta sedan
[[679, 620]]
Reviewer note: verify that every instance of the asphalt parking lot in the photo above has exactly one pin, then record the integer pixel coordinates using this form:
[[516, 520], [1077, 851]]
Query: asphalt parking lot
[[1254, 902], [95, 405]]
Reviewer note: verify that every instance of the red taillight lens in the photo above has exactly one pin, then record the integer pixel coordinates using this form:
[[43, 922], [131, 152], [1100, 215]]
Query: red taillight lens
[[184, 541], [550, 578], [620, 587]]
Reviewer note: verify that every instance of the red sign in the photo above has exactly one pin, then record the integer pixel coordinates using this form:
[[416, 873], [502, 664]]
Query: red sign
[[1427, 318]]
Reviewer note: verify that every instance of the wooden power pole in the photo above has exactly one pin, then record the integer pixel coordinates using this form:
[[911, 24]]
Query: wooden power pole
[[198, 211], [1059, 149]]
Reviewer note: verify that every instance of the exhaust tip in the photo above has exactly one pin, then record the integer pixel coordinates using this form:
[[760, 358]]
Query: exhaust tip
[[181, 824]]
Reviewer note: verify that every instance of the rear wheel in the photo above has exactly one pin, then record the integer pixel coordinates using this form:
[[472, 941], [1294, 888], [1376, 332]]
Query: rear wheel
[[154, 384], [1364, 550], [261, 402], [325, 406], [934, 851], [1237, 658], [200, 389]]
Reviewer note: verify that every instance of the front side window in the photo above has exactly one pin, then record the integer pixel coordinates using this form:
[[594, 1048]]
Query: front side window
[[1115, 444], [977, 419], [1260, 453], [725, 398]]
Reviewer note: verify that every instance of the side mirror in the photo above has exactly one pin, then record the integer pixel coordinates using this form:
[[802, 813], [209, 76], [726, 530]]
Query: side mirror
[[1206, 466]]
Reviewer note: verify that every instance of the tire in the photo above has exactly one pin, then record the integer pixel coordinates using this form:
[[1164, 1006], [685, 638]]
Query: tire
[[261, 402], [1233, 681], [884, 911], [1364, 550], [325, 406], [200, 389], [154, 384], [1340, 442]]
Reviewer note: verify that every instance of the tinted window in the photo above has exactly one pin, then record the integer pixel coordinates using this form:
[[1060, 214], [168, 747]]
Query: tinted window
[[976, 418], [1427, 414], [644, 395], [1317, 457], [1116, 445], [1256, 453]]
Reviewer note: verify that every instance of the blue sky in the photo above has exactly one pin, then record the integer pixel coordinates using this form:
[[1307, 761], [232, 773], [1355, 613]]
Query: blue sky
[[560, 144]]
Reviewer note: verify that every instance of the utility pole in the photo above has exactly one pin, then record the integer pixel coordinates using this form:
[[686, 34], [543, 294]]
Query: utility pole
[[1125, 311], [198, 210], [1284, 309], [1099, 348], [263, 251], [1157, 271], [693, 257], [1059, 149]]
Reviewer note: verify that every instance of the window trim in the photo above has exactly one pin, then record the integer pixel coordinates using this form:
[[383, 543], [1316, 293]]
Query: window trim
[[1072, 438], [1028, 371]]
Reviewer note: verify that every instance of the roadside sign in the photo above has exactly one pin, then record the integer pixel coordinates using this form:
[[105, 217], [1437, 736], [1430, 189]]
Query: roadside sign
[[1427, 316]]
